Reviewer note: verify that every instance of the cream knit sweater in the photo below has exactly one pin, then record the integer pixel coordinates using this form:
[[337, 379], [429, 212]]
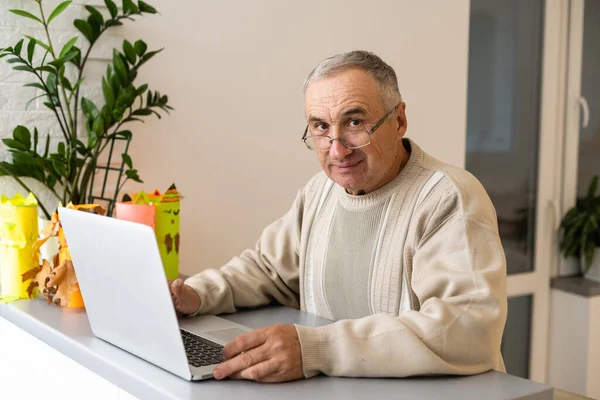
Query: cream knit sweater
[[416, 268]]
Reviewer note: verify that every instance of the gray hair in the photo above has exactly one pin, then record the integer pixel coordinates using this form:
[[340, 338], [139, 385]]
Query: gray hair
[[384, 75]]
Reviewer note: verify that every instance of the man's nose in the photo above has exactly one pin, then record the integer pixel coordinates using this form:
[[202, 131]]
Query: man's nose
[[337, 151]]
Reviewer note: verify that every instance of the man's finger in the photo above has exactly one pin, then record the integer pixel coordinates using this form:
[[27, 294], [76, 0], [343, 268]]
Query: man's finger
[[177, 288], [261, 372], [244, 342], [239, 363]]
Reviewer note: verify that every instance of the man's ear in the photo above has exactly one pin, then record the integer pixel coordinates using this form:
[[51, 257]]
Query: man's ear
[[401, 121]]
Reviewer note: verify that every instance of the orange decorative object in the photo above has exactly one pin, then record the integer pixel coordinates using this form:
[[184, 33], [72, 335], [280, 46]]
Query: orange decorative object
[[58, 283]]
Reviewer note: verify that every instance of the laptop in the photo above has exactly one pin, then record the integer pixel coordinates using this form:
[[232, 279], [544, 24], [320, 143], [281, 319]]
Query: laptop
[[128, 300]]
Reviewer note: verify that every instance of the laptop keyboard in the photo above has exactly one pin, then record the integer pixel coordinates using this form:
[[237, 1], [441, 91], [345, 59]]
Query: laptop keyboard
[[201, 352]]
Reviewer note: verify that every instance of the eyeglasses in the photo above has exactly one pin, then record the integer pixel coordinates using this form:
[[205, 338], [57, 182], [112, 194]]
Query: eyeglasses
[[352, 139]]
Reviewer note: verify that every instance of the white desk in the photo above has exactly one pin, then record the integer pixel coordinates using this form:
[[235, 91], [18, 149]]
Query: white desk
[[119, 374]]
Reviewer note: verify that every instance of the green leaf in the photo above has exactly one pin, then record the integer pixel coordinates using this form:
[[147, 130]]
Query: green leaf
[[61, 148], [95, 24], [112, 8], [127, 135], [65, 83], [25, 14], [35, 139], [46, 68], [51, 181], [32, 100], [95, 14], [39, 42], [147, 8], [140, 90], [127, 159], [148, 56], [98, 126], [129, 119], [47, 147], [115, 83], [23, 68], [80, 147], [59, 167], [23, 136], [58, 10], [142, 111], [18, 47], [129, 7], [133, 175], [112, 22], [30, 50], [68, 46], [120, 67], [108, 94], [140, 47], [77, 84], [92, 138], [132, 75], [89, 109], [15, 60], [86, 29], [14, 144], [51, 83], [24, 159], [66, 58], [77, 58], [129, 52]]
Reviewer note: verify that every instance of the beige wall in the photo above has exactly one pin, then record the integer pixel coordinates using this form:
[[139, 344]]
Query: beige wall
[[234, 73]]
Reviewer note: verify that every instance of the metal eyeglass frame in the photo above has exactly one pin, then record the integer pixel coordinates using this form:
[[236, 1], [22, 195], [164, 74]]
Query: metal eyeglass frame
[[369, 132]]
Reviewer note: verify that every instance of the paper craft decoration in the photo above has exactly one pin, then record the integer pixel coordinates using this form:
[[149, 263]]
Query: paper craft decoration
[[18, 232], [140, 210], [161, 212], [56, 278]]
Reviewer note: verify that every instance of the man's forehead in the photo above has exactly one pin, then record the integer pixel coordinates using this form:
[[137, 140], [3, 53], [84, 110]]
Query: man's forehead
[[345, 93]]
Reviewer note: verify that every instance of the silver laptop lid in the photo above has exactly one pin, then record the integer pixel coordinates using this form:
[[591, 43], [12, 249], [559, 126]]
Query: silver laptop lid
[[124, 287]]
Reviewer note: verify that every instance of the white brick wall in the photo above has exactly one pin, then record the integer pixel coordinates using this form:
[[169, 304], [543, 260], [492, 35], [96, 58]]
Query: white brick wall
[[13, 96]]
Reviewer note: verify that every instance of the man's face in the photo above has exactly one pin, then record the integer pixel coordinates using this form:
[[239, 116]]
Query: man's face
[[347, 99]]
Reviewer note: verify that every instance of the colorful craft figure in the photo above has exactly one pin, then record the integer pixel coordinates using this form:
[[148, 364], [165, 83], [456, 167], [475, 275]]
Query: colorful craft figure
[[161, 212], [57, 281]]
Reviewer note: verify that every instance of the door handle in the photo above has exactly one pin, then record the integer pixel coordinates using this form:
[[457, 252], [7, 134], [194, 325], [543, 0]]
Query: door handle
[[585, 108]]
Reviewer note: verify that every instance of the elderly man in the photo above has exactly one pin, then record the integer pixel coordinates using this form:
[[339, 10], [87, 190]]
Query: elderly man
[[399, 248]]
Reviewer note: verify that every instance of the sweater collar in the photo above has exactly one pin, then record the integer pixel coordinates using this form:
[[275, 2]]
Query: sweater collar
[[406, 175]]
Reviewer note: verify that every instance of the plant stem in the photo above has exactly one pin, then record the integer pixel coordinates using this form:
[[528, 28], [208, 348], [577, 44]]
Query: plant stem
[[57, 73], [24, 186], [121, 187], [82, 66]]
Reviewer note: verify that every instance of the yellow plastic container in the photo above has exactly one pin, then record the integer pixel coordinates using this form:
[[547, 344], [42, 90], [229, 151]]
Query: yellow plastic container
[[18, 233]]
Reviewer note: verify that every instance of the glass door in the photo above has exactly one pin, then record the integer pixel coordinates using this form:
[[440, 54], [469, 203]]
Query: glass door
[[509, 124], [582, 129]]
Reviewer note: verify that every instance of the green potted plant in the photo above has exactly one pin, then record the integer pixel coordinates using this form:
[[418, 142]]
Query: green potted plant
[[580, 232], [58, 73]]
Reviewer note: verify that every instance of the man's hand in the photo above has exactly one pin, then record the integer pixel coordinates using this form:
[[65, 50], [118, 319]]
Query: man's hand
[[271, 354], [185, 299]]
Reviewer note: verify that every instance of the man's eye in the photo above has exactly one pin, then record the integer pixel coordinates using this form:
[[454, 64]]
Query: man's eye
[[320, 127], [354, 123]]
